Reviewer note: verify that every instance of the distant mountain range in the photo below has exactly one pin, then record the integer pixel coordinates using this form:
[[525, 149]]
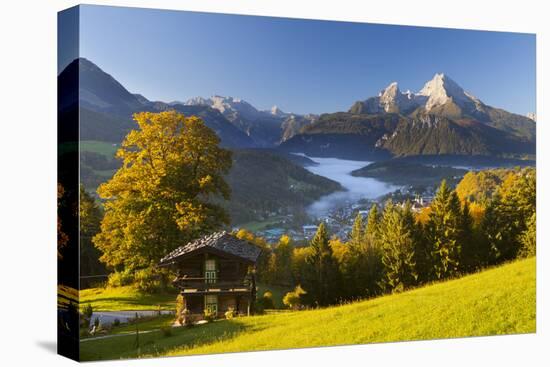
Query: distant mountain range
[[106, 108], [266, 128], [261, 126], [442, 96], [440, 119]]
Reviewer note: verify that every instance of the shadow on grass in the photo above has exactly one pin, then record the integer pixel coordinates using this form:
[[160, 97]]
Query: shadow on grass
[[156, 343]]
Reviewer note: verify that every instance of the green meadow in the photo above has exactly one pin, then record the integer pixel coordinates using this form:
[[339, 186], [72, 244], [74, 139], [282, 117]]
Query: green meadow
[[104, 148], [497, 301]]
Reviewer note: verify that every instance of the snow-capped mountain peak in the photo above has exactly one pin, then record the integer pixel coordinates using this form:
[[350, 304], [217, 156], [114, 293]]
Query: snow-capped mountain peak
[[441, 89], [390, 94], [438, 91], [231, 107], [224, 104], [390, 90], [391, 99], [276, 111], [197, 101]]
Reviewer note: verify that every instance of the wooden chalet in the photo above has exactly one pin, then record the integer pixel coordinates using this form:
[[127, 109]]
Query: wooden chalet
[[215, 273]]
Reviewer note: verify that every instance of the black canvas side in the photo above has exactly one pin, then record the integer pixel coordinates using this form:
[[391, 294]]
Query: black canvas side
[[68, 184]]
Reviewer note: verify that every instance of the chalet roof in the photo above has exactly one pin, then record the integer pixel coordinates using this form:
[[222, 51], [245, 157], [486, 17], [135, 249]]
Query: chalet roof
[[219, 242]]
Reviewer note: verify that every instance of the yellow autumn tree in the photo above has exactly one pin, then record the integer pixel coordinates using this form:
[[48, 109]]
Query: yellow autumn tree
[[161, 197], [479, 186]]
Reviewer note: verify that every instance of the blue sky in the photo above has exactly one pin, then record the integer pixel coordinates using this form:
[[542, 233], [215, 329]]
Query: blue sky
[[302, 66]]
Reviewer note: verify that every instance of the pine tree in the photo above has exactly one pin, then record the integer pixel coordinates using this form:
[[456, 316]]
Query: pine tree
[[422, 253], [373, 221], [350, 261], [508, 214], [397, 238], [359, 263], [370, 262], [370, 269], [496, 230], [444, 232], [357, 232], [472, 252], [322, 270], [353, 267]]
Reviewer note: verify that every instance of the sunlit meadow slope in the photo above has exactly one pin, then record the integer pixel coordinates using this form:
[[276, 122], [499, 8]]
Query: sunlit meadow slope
[[496, 301]]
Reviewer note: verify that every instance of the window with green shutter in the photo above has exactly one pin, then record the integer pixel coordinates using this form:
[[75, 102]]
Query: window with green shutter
[[210, 271]]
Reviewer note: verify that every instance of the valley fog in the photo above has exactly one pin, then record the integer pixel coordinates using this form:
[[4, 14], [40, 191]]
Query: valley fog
[[339, 170]]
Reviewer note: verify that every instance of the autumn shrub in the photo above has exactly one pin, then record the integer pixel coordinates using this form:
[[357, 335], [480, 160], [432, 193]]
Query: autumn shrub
[[209, 315], [293, 299], [120, 278], [230, 313], [147, 281]]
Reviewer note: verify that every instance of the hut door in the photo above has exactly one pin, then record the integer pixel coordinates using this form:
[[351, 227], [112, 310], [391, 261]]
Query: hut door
[[210, 271]]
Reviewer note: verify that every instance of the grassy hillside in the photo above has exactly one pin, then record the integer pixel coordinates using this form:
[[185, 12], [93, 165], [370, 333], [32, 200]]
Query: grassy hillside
[[106, 149], [343, 135], [429, 135], [375, 137], [263, 182], [496, 301]]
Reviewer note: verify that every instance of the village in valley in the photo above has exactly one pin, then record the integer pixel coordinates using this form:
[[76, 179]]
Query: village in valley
[[339, 219]]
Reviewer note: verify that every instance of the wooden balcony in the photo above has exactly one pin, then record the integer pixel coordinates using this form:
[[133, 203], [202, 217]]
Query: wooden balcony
[[206, 285]]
